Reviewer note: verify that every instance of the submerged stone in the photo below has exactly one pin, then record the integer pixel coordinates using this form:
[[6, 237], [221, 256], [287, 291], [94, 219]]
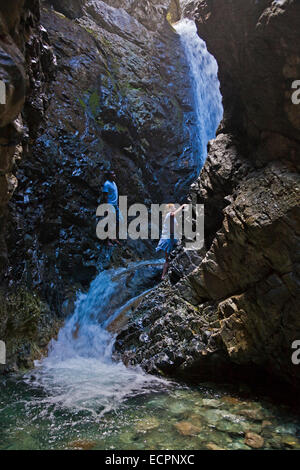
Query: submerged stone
[[212, 446], [147, 424], [211, 403], [82, 444], [254, 440], [187, 429], [290, 442], [253, 414]]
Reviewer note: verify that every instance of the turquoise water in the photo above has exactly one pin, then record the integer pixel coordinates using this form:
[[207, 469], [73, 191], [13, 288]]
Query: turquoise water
[[80, 398], [170, 418]]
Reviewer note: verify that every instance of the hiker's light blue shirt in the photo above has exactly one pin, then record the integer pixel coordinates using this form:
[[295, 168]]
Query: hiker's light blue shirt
[[166, 230], [111, 189]]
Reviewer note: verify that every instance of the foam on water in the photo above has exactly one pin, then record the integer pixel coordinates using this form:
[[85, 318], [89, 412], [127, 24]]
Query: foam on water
[[79, 372]]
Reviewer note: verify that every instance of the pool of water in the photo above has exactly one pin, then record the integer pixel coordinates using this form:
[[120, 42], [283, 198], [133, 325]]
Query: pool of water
[[167, 417], [78, 397]]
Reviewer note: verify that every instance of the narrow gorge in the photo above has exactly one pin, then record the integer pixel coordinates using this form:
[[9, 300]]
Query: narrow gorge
[[188, 101], [240, 306]]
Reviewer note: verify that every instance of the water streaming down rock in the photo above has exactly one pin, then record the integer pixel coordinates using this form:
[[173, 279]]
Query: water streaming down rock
[[206, 88], [79, 371]]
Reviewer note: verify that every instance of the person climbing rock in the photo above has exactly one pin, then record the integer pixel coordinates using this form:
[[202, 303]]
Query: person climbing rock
[[169, 236], [111, 196]]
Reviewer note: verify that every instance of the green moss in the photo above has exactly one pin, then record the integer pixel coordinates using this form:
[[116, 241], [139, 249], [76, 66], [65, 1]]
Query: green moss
[[91, 101], [82, 103], [100, 122], [22, 311], [26, 326], [94, 103], [114, 65], [106, 43], [60, 15], [174, 12], [125, 87], [121, 129], [91, 32]]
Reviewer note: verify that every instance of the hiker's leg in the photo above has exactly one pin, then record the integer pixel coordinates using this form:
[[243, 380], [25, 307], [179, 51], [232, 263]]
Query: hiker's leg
[[108, 243], [117, 226], [166, 266]]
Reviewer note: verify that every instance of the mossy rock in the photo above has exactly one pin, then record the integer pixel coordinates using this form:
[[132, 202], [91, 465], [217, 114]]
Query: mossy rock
[[26, 326], [174, 12], [22, 311]]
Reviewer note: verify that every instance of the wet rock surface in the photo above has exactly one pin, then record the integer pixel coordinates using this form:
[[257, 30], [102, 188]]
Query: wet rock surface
[[93, 85], [237, 312], [27, 67], [256, 68], [120, 98]]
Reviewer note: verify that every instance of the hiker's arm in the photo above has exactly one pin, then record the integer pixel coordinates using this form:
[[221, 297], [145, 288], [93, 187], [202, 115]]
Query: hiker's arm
[[179, 209], [105, 197]]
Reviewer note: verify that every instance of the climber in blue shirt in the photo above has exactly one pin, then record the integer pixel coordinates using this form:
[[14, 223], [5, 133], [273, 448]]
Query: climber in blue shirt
[[111, 196]]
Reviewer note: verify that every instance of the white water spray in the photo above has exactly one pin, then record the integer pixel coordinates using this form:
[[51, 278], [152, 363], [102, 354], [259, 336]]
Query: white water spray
[[206, 88], [79, 372]]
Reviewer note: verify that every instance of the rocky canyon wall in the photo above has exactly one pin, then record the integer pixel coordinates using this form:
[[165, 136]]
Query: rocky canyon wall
[[237, 312], [27, 67]]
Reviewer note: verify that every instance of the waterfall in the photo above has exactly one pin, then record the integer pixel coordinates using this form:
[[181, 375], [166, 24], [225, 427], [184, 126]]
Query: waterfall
[[79, 371], [206, 88]]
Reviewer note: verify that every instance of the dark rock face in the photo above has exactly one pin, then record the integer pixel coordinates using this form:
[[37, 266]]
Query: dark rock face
[[237, 311], [134, 97], [27, 66], [19, 31], [119, 101], [257, 69]]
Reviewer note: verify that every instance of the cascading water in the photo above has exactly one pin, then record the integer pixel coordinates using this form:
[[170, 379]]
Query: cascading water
[[61, 404], [206, 88], [79, 371]]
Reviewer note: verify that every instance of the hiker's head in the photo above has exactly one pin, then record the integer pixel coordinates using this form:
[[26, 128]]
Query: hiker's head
[[170, 208], [110, 175]]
